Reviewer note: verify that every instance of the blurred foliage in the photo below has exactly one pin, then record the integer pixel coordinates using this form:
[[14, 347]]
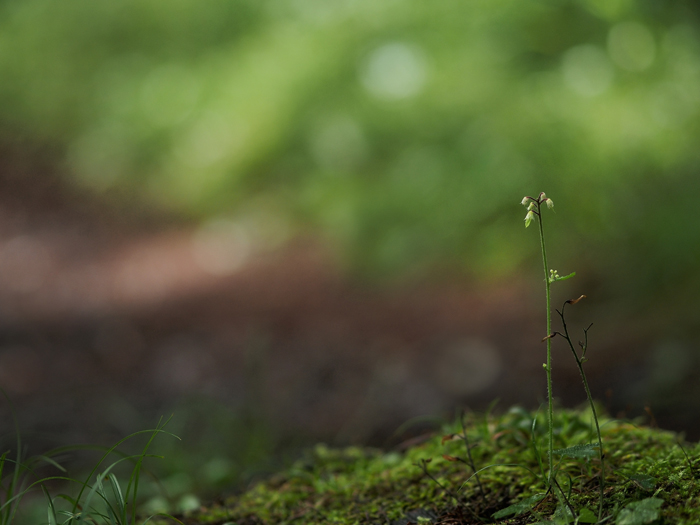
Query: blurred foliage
[[406, 131]]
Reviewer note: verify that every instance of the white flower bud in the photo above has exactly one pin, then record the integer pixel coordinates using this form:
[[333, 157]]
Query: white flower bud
[[529, 218], [524, 201], [550, 204]]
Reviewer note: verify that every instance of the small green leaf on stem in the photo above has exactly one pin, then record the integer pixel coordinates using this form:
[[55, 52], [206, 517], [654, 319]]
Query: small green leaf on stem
[[554, 276]]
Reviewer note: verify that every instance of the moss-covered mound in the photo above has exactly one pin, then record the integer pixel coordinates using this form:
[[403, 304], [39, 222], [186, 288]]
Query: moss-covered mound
[[651, 476]]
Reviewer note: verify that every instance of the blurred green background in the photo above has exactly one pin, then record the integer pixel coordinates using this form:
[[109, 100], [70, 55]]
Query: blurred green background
[[405, 132]]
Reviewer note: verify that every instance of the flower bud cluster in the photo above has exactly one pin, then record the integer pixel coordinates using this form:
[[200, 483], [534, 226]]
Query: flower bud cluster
[[533, 206]]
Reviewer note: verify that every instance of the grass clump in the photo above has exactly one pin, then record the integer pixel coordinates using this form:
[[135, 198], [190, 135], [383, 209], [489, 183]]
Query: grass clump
[[535, 207], [100, 498], [648, 474]]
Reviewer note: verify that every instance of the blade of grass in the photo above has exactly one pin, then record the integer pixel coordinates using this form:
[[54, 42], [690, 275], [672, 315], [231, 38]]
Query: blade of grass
[[121, 503], [7, 516], [113, 448], [136, 472], [51, 509]]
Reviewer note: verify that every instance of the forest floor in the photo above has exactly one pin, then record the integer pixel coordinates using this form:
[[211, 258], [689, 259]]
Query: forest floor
[[651, 476]]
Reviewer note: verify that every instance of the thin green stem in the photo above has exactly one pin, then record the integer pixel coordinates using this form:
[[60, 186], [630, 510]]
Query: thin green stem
[[550, 415]]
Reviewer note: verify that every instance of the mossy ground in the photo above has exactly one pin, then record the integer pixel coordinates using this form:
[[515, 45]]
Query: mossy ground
[[368, 486]]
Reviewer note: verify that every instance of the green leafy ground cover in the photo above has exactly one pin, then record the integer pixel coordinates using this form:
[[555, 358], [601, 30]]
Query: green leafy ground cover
[[652, 477]]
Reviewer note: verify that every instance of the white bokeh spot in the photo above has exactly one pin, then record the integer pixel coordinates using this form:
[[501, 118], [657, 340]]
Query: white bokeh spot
[[631, 46], [395, 71], [587, 70], [221, 247]]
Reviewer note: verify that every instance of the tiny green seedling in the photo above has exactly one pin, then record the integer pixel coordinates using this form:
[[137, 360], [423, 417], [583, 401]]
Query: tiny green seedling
[[100, 502]]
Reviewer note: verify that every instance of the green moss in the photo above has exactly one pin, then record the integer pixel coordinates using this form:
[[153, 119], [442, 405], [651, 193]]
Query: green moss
[[358, 485]]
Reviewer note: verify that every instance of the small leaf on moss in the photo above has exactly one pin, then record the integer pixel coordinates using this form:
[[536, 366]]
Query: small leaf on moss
[[520, 507], [640, 512], [416, 516], [578, 451], [643, 481], [563, 515], [587, 516]]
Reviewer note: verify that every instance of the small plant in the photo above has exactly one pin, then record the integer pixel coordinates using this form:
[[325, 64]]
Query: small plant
[[534, 212], [556, 477], [94, 503]]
